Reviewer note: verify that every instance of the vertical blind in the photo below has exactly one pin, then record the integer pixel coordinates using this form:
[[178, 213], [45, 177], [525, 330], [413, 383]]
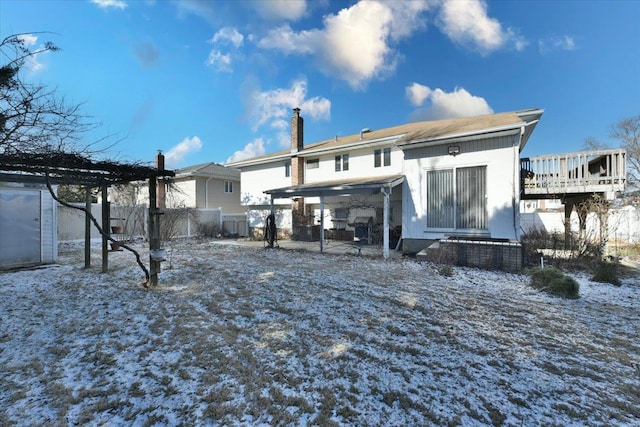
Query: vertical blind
[[459, 203], [440, 203], [470, 194]]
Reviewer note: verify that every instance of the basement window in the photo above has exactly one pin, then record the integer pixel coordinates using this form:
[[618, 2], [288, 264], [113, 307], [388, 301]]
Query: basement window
[[313, 163]]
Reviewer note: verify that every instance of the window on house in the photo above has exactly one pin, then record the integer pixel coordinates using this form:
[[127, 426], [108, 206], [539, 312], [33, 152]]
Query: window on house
[[342, 162], [228, 186], [382, 157], [313, 163], [456, 198], [287, 169], [386, 154]]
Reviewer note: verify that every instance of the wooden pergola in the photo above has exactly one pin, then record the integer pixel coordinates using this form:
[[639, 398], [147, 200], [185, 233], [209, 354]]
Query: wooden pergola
[[74, 169]]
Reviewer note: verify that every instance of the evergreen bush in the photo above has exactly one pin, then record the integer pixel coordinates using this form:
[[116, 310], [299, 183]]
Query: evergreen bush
[[554, 282], [606, 272]]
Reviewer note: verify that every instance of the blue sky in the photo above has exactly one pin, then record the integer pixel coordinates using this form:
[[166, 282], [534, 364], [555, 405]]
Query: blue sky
[[216, 81]]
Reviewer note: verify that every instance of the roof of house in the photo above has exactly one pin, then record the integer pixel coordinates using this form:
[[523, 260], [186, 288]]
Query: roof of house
[[404, 135], [362, 185], [208, 170]]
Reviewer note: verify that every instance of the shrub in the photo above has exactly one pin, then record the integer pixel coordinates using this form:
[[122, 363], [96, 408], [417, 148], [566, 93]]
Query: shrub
[[606, 272], [554, 282]]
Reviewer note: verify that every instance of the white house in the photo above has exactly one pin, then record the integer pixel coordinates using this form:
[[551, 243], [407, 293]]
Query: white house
[[206, 186], [431, 180]]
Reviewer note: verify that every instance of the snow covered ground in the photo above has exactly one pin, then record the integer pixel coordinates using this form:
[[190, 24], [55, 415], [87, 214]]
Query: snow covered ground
[[237, 335]]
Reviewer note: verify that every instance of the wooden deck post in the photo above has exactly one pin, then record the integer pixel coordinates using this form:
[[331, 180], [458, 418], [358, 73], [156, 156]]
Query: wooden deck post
[[568, 208], [154, 232], [105, 228], [87, 228]]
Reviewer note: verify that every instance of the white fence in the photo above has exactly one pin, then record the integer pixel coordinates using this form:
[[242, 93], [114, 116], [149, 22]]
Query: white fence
[[623, 223], [134, 220]]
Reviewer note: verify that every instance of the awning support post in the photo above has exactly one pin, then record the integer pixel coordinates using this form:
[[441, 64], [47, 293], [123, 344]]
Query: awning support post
[[321, 224], [385, 218]]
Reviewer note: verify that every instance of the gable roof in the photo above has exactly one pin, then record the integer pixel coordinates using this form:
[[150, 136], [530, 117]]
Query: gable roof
[[435, 131], [208, 170]]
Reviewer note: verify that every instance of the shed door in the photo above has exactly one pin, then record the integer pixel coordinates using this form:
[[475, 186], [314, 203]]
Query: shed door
[[19, 228]]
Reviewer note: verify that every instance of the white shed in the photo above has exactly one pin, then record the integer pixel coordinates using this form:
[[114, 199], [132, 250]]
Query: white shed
[[28, 225]]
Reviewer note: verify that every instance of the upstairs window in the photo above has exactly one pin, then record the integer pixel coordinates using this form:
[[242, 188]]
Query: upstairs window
[[313, 163], [342, 163], [287, 169], [228, 186], [386, 157], [382, 157]]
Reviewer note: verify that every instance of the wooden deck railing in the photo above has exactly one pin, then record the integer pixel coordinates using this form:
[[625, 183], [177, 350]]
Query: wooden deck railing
[[602, 171]]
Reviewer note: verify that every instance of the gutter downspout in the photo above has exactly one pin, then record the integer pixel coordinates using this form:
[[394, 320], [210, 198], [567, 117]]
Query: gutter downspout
[[516, 176], [206, 192]]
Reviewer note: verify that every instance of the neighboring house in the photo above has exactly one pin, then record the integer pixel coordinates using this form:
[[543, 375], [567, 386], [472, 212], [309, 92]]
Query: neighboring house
[[206, 186], [431, 180], [28, 224]]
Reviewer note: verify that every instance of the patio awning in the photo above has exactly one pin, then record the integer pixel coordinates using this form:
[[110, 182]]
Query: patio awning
[[344, 187]]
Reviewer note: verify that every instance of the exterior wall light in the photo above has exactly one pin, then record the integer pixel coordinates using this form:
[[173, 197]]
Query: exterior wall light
[[454, 150]]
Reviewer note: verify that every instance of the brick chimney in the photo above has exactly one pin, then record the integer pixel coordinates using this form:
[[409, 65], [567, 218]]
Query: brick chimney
[[297, 169], [297, 145]]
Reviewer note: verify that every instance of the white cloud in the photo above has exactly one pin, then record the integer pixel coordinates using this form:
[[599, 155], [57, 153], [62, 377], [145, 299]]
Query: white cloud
[[220, 61], [355, 44], [199, 8], [106, 4], [31, 63], [445, 105], [177, 153], [417, 93], [466, 23], [273, 107], [252, 149], [228, 35], [291, 10], [27, 39], [566, 43], [225, 36]]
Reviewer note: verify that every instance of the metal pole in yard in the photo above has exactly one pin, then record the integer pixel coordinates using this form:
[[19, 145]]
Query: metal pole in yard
[[321, 224], [385, 216]]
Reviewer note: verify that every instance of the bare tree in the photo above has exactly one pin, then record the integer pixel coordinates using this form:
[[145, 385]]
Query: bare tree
[[627, 132], [33, 117]]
